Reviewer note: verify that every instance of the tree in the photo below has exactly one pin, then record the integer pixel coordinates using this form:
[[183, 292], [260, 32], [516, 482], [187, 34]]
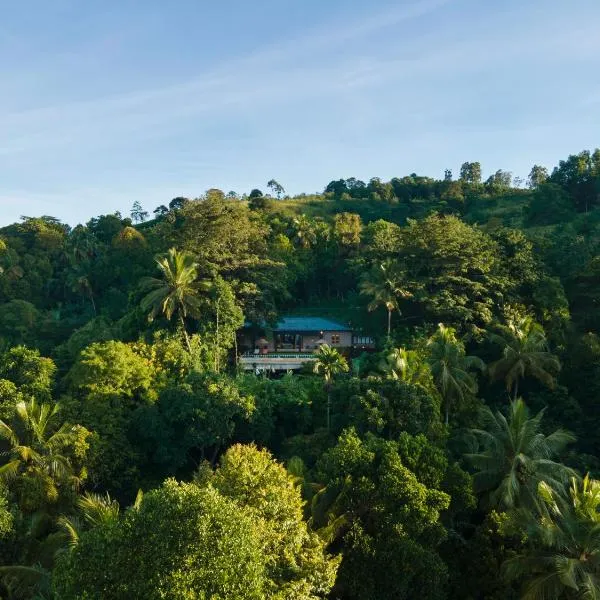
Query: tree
[[276, 188], [470, 172], [537, 176], [42, 455], [499, 182], [525, 353], [138, 214], [329, 363], [453, 270], [160, 211], [196, 417], [384, 519], [405, 365], [451, 367], [579, 175], [347, 228], [384, 284], [178, 203], [549, 204], [561, 558], [176, 292], [189, 542], [298, 565], [31, 373], [515, 456]]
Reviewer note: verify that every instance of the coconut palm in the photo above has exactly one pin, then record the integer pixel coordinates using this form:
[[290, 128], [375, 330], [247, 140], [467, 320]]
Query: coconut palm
[[514, 457], [562, 557], [38, 453], [329, 363], [175, 292], [383, 283], [451, 368], [525, 354], [404, 365]]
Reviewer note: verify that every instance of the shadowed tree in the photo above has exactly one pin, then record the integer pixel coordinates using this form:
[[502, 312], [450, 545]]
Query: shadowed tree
[[515, 456], [525, 354], [329, 363], [562, 557], [176, 292], [451, 367], [383, 284]]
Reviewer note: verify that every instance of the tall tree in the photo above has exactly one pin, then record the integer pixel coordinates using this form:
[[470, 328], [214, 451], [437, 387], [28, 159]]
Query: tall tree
[[40, 455], [276, 188], [138, 214], [537, 176], [384, 286], [562, 556], [525, 353], [451, 367], [329, 363], [176, 292], [515, 456], [470, 172]]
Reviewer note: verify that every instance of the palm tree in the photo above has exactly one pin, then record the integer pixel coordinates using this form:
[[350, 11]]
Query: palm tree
[[562, 558], [384, 285], [329, 363], [525, 353], [36, 451], [176, 292], [451, 367], [94, 509], [303, 231], [404, 365], [514, 456]]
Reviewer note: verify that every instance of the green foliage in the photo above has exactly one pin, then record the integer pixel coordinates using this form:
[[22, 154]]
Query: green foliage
[[111, 368], [32, 374], [451, 368], [297, 566], [43, 464], [560, 559], [524, 353], [513, 274], [452, 270], [384, 517], [189, 543], [195, 417], [515, 457]]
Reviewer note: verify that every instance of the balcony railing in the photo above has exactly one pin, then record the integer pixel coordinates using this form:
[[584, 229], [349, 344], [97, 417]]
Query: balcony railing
[[278, 361], [270, 355]]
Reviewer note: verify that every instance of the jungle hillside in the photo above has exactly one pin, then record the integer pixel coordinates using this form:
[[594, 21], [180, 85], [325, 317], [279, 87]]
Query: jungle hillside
[[456, 459]]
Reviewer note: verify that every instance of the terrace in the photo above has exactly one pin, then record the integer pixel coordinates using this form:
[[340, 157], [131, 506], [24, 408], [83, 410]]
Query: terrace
[[275, 361]]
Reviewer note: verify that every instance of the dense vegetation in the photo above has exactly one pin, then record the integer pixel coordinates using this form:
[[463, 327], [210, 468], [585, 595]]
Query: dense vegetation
[[459, 459]]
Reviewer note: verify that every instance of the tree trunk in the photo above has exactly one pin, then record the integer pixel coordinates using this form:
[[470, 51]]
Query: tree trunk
[[328, 408], [389, 322], [447, 403], [516, 388], [217, 365], [93, 303], [185, 333]]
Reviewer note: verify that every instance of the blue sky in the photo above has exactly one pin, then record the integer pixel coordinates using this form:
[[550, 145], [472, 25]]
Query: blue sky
[[105, 103]]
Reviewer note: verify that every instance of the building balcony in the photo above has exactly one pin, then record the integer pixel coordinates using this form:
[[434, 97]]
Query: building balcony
[[275, 361]]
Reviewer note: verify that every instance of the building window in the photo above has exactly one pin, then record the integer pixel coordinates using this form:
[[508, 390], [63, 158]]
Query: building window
[[335, 338]]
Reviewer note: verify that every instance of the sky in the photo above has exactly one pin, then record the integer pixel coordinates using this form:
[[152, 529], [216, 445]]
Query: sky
[[106, 103]]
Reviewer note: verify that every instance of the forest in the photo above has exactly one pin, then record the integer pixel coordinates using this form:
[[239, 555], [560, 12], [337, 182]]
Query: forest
[[458, 460]]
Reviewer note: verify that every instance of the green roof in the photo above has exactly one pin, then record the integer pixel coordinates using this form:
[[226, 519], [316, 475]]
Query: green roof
[[309, 324]]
